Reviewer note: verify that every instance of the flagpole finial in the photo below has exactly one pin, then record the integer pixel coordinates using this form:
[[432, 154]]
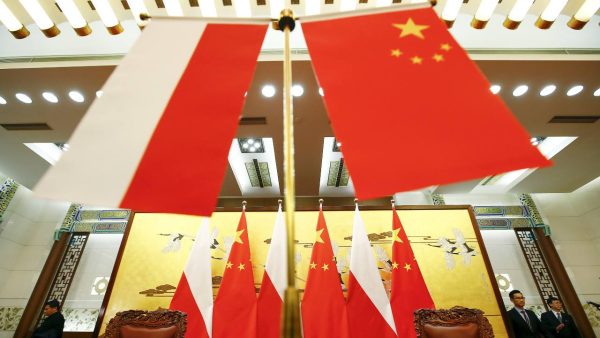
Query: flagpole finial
[[393, 202], [279, 201], [286, 19], [244, 205], [145, 16], [356, 201], [320, 204]]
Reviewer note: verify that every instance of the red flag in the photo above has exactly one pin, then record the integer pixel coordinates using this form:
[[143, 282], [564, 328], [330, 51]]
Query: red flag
[[194, 292], [409, 291], [274, 283], [369, 310], [179, 91], [323, 304], [399, 78], [235, 305]]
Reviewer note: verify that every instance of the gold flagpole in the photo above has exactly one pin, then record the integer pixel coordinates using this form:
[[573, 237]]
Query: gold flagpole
[[290, 327]]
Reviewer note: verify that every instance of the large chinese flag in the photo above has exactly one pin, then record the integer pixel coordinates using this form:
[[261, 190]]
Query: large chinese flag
[[194, 294], [235, 305], [369, 310], [274, 283], [408, 105], [409, 291], [158, 138], [323, 305]]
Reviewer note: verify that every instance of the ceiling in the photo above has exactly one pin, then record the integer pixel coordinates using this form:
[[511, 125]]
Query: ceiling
[[573, 167]]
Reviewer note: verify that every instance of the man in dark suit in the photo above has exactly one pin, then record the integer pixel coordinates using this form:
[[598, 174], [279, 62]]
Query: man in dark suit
[[524, 323], [559, 324], [53, 325]]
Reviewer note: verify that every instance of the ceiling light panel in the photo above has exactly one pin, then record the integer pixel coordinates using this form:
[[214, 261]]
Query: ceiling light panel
[[519, 10], [107, 15], [574, 90], [297, 90], [2, 100], [251, 145], [72, 13], [495, 89], [549, 89], [173, 7], [597, 92], [520, 90], [50, 97], [253, 169], [23, 98], [484, 13], [334, 172], [587, 10], [208, 8], [76, 96], [268, 91], [553, 9], [37, 13], [138, 7], [450, 11], [503, 183], [8, 19]]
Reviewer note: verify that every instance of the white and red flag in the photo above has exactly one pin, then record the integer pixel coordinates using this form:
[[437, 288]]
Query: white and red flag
[[158, 138], [369, 309], [194, 294], [274, 283]]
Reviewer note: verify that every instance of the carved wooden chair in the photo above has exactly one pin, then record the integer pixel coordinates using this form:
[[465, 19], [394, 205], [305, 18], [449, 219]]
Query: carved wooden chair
[[457, 322], [147, 324]]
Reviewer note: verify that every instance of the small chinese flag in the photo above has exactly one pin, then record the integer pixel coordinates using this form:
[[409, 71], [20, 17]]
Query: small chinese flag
[[409, 291], [235, 306], [323, 305], [409, 107]]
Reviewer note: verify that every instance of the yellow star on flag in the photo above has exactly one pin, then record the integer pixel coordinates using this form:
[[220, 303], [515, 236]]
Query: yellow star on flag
[[241, 266], [395, 265], [313, 265], [319, 239], [438, 57], [325, 267], [407, 266], [395, 237], [445, 46], [396, 52], [229, 265], [416, 60], [238, 236], [410, 28]]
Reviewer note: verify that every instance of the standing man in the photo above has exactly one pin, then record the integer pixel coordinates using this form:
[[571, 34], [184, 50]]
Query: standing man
[[53, 325], [524, 323], [559, 324]]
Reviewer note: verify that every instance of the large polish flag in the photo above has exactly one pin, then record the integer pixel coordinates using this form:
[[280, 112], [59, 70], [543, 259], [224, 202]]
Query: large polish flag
[[369, 309], [194, 292], [158, 138], [274, 283]]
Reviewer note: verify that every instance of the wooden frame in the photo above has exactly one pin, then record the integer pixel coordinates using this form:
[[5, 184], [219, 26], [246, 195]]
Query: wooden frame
[[469, 208], [147, 319], [455, 316]]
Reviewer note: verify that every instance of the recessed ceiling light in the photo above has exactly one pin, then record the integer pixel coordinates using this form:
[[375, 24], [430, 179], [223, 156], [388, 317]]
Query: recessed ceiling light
[[23, 98], [297, 90], [50, 97], [268, 91], [76, 96], [495, 89], [597, 92], [321, 91], [99, 93], [549, 89], [520, 90], [2, 100], [575, 90]]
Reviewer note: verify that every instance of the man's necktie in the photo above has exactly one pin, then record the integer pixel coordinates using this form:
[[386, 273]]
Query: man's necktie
[[524, 314], [559, 317]]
